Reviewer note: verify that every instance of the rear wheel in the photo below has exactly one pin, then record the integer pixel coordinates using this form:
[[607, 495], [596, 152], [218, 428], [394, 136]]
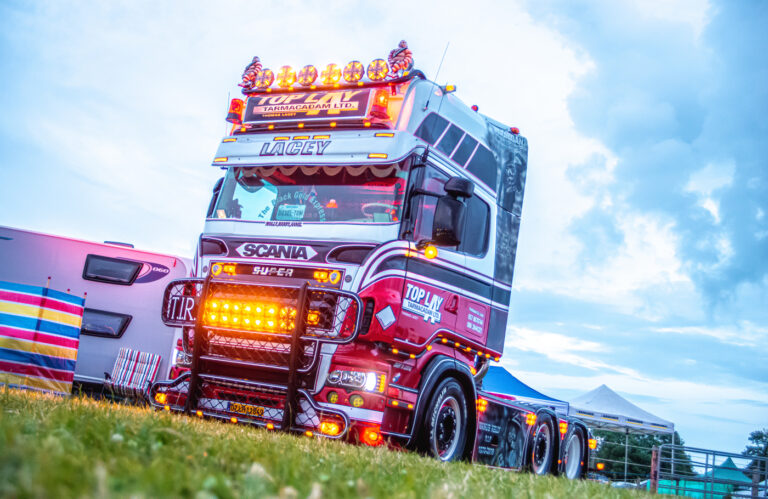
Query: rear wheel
[[543, 445], [446, 424], [574, 455]]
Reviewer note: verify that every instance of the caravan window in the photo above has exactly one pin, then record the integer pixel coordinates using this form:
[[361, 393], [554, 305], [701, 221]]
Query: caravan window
[[103, 323], [111, 270]]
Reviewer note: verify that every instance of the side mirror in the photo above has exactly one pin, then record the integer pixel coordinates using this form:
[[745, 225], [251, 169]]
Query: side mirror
[[216, 190], [448, 223], [459, 187]]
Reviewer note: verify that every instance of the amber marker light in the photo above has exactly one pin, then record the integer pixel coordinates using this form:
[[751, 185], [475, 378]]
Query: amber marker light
[[264, 79], [430, 252], [307, 75], [286, 77], [384, 134], [330, 75], [354, 71], [563, 427], [377, 70], [161, 398], [199, 414], [601, 466], [167, 408], [530, 419], [270, 426], [230, 139], [220, 160], [330, 428], [377, 155], [309, 433], [592, 443]]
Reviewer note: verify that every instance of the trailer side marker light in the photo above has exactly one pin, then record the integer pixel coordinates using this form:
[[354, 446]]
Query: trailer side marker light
[[395, 403], [429, 347], [333, 124], [330, 428], [601, 466], [377, 155], [468, 349], [473, 370], [487, 356], [309, 433], [395, 351], [457, 344], [199, 414], [410, 406], [497, 359], [445, 340], [563, 427], [384, 134], [300, 125], [482, 405], [366, 124], [282, 138], [270, 127], [530, 419], [321, 137], [592, 443], [430, 252], [167, 408], [412, 356], [161, 398], [220, 160], [230, 139], [270, 426], [371, 437]]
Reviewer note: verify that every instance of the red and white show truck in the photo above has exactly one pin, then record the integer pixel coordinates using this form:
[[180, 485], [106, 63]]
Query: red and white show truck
[[353, 278]]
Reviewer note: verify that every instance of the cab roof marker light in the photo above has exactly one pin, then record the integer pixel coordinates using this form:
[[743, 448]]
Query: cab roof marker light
[[354, 71], [286, 77], [377, 155], [230, 139], [384, 134], [282, 138], [220, 160], [301, 137], [307, 75], [320, 137]]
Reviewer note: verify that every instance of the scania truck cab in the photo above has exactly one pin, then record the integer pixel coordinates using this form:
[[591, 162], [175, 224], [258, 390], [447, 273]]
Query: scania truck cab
[[353, 278]]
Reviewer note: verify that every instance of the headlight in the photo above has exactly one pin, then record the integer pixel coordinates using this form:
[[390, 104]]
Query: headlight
[[358, 380]]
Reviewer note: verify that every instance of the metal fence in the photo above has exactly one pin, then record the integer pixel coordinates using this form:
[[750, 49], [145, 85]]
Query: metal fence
[[714, 474]]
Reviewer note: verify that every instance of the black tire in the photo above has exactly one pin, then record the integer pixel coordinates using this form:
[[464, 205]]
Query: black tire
[[542, 445], [573, 455], [446, 420]]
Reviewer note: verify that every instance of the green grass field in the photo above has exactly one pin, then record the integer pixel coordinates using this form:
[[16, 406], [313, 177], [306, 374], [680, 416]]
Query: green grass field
[[79, 447]]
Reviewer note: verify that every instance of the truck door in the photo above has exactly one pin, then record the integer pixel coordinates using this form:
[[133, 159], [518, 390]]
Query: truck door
[[431, 300]]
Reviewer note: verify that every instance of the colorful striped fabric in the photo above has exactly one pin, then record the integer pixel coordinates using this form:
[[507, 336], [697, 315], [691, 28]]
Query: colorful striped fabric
[[133, 372], [39, 336]]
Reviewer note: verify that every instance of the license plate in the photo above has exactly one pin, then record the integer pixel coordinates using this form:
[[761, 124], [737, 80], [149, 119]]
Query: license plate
[[246, 409]]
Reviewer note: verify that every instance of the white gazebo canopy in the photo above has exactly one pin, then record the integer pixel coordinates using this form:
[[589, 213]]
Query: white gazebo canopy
[[606, 409]]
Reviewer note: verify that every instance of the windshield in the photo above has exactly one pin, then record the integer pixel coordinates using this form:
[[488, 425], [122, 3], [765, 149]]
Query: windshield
[[352, 193]]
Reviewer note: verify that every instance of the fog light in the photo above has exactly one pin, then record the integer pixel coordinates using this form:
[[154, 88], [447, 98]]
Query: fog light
[[330, 428], [356, 401]]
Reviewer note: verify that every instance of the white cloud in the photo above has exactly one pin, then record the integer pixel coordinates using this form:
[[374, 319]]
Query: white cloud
[[744, 333], [562, 348]]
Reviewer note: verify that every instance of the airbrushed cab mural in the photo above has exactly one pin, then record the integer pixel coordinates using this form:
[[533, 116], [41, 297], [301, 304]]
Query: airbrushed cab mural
[[353, 278]]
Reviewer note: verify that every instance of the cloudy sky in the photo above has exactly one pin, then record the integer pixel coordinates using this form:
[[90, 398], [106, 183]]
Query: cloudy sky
[[643, 258]]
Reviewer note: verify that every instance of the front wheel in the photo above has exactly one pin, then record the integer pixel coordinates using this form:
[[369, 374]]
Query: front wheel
[[574, 455], [446, 428], [543, 445]]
